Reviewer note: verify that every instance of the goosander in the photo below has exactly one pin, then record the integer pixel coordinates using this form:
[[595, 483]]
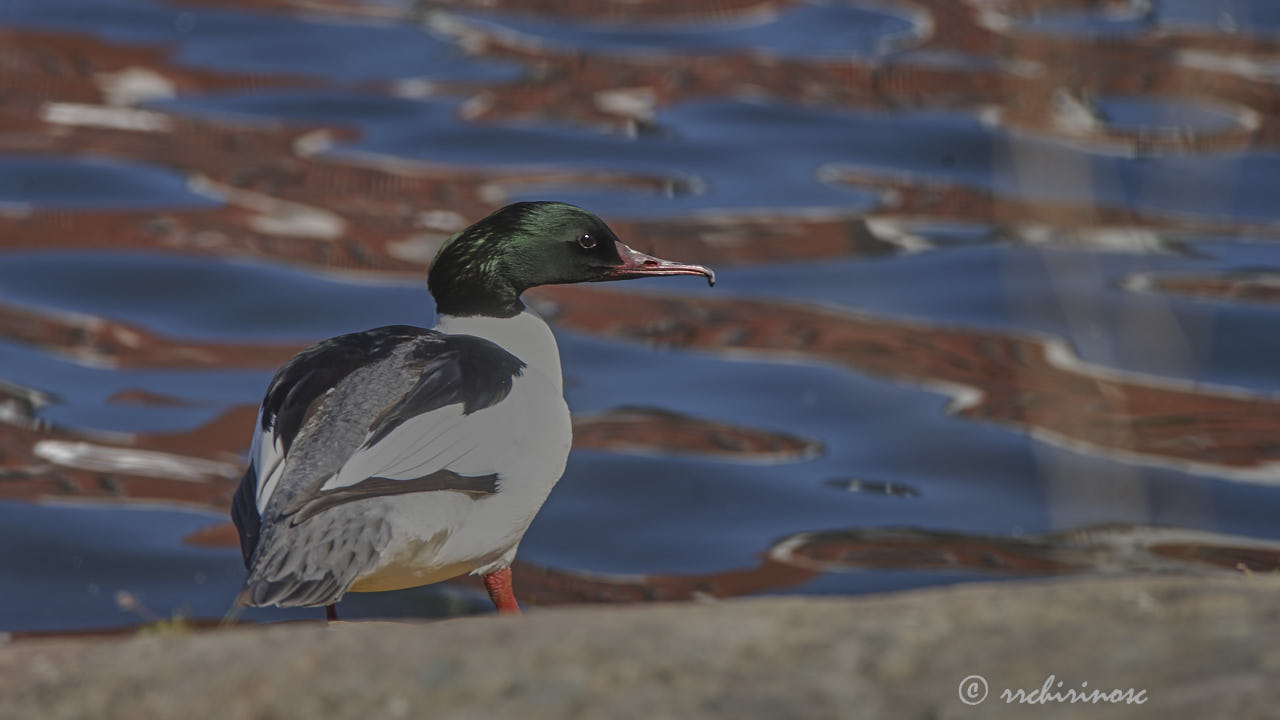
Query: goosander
[[401, 456]]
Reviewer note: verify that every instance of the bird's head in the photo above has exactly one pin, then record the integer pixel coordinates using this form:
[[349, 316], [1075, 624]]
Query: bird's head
[[483, 269]]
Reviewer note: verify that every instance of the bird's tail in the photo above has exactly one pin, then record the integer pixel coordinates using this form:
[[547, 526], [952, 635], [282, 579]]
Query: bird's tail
[[292, 591], [233, 613]]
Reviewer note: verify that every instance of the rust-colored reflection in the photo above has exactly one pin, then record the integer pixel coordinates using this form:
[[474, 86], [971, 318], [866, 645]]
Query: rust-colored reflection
[[1032, 384], [1107, 548], [653, 430], [39, 461], [1258, 287], [1228, 558], [549, 586], [875, 549], [100, 342], [793, 561]]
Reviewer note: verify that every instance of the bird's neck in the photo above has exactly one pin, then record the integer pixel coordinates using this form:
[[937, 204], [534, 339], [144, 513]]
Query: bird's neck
[[465, 278], [525, 335]]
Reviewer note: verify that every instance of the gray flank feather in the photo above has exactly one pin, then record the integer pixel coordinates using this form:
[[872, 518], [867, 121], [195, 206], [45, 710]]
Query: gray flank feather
[[315, 563]]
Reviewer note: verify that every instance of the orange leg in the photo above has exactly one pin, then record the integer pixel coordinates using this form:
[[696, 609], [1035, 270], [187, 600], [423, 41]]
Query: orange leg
[[499, 586]]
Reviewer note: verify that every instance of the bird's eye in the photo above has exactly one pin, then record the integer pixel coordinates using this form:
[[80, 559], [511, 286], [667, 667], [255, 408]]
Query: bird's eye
[[587, 241]]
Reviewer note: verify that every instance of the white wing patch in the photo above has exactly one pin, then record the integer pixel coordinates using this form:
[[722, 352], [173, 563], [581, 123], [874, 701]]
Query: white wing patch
[[443, 439], [268, 462]]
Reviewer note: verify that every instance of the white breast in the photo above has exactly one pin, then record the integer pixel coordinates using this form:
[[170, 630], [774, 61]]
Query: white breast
[[437, 535], [526, 336]]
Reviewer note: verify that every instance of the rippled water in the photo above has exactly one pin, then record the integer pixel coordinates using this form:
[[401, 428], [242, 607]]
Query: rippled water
[[987, 309]]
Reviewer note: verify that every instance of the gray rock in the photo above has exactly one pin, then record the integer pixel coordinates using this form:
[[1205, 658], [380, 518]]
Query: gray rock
[[1194, 647]]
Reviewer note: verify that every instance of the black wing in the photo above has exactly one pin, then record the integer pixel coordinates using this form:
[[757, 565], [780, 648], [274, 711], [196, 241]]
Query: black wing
[[291, 395], [465, 371]]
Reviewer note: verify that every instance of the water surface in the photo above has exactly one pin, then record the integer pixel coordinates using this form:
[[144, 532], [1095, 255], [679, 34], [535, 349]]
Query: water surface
[[911, 238]]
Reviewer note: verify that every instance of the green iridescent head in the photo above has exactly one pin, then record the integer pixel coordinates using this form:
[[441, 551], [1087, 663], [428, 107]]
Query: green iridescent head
[[483, 269]]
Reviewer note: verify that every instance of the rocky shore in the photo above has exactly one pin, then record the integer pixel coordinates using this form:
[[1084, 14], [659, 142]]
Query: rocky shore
[[1150, 647]]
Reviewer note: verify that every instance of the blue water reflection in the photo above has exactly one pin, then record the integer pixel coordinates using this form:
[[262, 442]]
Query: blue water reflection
[[269, 301], [1258, 16], [75, 559], [81, 183], [233, 41]]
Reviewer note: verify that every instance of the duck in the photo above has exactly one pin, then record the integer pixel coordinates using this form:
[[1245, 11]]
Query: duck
[[403, 456]]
